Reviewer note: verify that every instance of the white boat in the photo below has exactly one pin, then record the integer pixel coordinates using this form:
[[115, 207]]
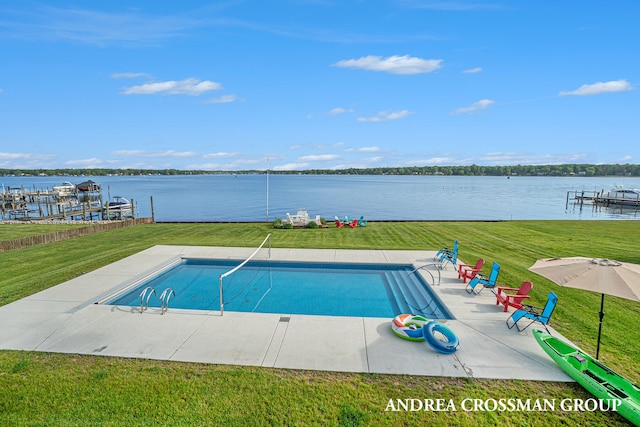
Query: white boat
[[118, 208], [65, 189], [623, 196], [118, 204]]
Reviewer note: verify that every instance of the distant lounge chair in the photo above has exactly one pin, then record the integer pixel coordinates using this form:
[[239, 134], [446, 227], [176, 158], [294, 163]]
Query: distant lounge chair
[[468, 272], [339, 224], [513, 300], [484, 282], [446, 251], [362, 222], [447, 257], [353, 224], [541, 315]]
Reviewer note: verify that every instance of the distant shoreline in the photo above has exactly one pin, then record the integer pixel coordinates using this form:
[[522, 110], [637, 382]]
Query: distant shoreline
[[568, 170]]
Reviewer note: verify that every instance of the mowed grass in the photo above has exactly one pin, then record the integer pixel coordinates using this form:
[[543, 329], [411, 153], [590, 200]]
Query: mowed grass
[[10, 231], [56, 389]]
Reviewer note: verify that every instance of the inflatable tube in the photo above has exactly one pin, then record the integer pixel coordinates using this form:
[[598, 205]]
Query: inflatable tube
[[429, 332], [409, 326]]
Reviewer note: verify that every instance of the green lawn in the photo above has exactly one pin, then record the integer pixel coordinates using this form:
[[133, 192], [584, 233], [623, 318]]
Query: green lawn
[[17, 231], [57, 389]]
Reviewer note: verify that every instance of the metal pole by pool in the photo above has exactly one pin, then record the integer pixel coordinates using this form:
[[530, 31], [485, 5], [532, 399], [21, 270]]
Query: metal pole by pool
[[222, 276], [221, 300]]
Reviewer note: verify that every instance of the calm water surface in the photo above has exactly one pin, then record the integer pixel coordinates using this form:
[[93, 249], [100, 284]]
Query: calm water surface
[[261, 197]]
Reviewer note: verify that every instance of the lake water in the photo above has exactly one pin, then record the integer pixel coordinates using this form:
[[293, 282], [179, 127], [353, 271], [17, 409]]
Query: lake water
[[206, 198]]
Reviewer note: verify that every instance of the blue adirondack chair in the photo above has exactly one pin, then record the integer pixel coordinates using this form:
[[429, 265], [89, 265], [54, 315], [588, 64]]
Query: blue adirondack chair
[[483, 282], [541, 315]]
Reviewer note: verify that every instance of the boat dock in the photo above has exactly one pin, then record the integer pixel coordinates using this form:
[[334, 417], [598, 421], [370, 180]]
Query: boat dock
[[605, 198], [67, 202]]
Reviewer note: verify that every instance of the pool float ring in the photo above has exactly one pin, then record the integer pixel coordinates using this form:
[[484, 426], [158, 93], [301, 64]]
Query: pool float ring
[[449, 346], [409, 326]]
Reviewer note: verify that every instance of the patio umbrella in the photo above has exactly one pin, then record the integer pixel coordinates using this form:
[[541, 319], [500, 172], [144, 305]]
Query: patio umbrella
[[605, 276]]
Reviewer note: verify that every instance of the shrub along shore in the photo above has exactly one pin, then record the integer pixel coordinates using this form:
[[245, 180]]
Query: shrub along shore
[[60, 389]]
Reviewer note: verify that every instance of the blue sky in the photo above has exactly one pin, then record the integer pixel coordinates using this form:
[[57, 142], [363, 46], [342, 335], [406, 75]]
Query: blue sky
[[306, 84]]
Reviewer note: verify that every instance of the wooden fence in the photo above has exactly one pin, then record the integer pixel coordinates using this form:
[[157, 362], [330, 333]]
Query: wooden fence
[[57, 236]]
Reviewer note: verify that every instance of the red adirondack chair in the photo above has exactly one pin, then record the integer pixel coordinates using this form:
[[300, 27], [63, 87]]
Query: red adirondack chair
[[513, 300], [339, 224], [466, 271]]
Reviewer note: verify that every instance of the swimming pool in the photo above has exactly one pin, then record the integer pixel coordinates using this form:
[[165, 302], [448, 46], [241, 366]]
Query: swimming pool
[[331, 289]]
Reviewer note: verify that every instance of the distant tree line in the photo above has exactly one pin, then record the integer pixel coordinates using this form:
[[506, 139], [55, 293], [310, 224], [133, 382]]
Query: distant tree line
[[475, 170], [472, 170]]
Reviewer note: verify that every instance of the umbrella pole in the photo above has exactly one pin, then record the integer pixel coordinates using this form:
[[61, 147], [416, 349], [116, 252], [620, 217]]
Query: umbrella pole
[[601, 314]]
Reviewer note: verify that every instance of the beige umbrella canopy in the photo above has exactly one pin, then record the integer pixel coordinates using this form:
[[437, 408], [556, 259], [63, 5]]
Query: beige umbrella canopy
[[605, 276]]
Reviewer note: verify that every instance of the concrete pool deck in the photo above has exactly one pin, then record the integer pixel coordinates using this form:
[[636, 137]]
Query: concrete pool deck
[[66, 319]]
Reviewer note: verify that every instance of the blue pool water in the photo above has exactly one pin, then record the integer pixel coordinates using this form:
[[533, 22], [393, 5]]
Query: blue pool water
[[330, 289]]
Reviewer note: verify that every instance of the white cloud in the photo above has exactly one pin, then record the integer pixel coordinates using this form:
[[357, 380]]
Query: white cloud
[[318, 157], [511, 158], [369, 149], [25, 160], [339, 110], [130, 75], [98, 28], [205, 166], [363, 150], [173, 153], [480, 105], [473, 70], [247, 161], [291, 166], [435, 161], [92, 162], [600, 87], [224, 99], [129, 153], [142, 153], [188, 86], [374, 159], [384, 116], [220, 154], [13, 156], [393, 64], [239, 164]]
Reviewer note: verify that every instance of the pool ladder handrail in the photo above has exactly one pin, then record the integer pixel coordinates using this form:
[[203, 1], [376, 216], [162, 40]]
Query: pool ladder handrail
[[144, 304], [424, 268], [164, 299]]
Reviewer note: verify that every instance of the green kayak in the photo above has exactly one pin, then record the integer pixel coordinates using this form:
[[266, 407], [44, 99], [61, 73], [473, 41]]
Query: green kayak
[[597, 378]]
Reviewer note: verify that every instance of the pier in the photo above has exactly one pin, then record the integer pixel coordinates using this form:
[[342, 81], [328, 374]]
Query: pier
[[606, 198], [67, 202], [616, 202]]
